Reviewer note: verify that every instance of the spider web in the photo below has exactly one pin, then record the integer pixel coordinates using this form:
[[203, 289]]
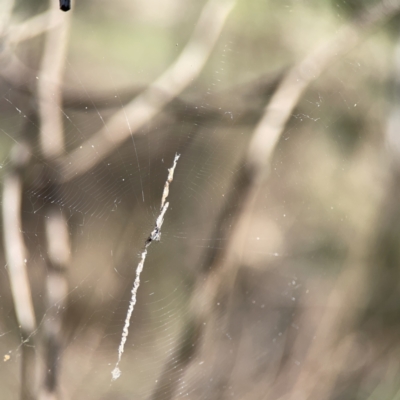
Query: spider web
[[300, 221]]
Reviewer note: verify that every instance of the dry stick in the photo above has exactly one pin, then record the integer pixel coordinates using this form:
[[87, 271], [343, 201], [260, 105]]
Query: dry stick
[[52, 146], [219, 268], [155, 235], [150, 102], [15, 254]]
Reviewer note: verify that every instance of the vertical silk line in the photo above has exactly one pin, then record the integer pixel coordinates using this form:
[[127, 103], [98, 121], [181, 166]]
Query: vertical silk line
[[155, 235]]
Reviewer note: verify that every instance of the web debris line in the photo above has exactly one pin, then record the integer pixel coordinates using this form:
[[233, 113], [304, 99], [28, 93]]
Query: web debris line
[[155, 235], [169, 180]]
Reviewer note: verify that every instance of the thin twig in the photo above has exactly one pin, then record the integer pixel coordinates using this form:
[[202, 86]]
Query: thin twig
[[150, 102], [155, 235]]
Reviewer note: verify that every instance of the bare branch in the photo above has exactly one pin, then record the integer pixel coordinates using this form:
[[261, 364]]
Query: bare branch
[[150, 102], [14, 244], [49, 88], [15, 253], [58, 247], [52, 145]]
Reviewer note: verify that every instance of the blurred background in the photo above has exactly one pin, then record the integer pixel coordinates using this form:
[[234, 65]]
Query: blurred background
[[286, 291]]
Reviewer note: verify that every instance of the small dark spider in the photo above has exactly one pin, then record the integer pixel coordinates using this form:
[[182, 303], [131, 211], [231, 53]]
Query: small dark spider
[[65, 5], [155, 235]]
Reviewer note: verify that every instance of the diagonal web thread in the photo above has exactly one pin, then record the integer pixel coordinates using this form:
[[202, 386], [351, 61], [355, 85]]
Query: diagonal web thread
[[155, 235]]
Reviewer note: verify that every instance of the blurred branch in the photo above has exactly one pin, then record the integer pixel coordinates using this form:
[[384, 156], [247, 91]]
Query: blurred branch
[[220, 265], [285, 99], [34, 26], [150, 102], [57, 236], [49, 89], [12, 69], [16, 262], [245, 101], [6, 8], [15, 252], [242, 93], [52, 146], [278, 111]]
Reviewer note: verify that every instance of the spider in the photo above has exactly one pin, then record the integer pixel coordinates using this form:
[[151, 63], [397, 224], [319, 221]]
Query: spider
[[155, 235]]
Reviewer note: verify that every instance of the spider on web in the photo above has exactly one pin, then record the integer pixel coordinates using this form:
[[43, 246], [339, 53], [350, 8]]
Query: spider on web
[[155, 235]]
